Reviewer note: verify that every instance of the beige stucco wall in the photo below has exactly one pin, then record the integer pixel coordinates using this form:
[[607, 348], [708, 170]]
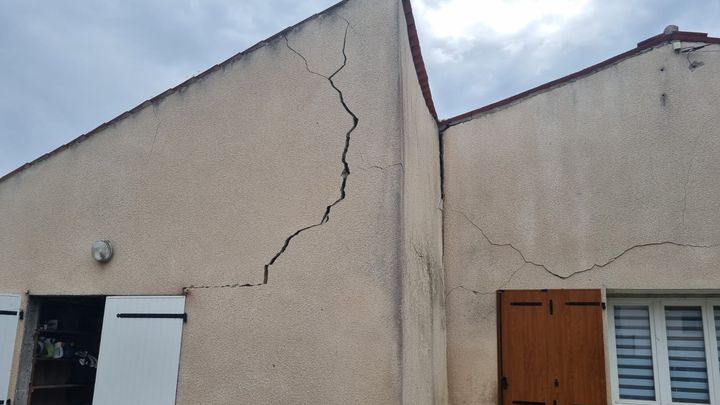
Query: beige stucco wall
[[423, 300], [203, 187], [618, 169]]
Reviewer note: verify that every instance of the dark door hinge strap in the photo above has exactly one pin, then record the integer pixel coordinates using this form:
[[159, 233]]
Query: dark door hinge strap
[[182, 316], [587, 304]]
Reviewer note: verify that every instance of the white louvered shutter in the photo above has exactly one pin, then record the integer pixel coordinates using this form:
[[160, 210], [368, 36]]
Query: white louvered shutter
[[139, 351], [9, 315]]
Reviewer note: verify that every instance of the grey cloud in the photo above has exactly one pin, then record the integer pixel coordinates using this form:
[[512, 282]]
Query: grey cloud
[[487, 69]]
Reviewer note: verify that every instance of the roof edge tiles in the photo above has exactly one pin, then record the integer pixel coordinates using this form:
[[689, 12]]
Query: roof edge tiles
[[417, 58], [414, 47], [641, 47]]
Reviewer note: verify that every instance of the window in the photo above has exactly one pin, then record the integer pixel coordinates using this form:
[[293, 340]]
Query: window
[[665, 350]]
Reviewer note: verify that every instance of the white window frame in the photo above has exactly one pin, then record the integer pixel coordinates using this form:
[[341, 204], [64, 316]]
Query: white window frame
[[661, 369]]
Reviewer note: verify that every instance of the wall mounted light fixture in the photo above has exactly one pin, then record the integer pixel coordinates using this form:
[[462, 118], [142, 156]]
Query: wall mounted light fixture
[[102, 251]]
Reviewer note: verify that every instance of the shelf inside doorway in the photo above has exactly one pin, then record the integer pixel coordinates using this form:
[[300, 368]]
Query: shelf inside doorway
[[64, 332], [62, 359]]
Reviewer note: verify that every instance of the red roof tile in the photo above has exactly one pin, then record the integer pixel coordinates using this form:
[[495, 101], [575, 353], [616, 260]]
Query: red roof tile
[[417, 58]]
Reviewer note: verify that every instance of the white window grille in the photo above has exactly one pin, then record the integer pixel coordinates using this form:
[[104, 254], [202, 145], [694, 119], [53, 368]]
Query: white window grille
[[664, 350]]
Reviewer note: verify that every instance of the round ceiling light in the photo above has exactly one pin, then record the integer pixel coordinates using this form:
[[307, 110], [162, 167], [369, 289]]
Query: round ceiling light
[[102, 251]]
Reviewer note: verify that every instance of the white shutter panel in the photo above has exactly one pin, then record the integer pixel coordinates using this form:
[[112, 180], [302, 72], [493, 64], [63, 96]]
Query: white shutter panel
[[139, 351], [9, 315]]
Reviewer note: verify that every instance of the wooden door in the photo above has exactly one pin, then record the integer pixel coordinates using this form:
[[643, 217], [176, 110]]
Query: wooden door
[[524, 323], [551, 347]]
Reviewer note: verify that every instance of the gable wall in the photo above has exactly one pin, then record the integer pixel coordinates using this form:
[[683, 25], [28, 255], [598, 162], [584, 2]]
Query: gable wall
[[202, 189], [586, 173]]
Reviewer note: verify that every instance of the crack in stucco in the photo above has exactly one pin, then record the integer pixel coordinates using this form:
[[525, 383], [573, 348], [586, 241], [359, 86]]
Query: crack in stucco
[[689, 173], [462, 287], [587, 269], [441, 157], [344, 174], [500, 287], [381, 168], [686, 180], [367, 166], [685, 191], [346, 166], [157, 128]]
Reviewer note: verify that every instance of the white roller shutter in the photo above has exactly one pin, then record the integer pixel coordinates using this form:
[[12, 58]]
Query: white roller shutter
[[9, 315], [139, 351]]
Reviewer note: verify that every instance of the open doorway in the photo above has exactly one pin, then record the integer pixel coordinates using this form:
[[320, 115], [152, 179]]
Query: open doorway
[[63, 362], [66, 341]]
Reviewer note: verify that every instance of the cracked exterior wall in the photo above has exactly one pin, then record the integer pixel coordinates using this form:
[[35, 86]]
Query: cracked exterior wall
[[609, 181], [204, 187], [423, 301]]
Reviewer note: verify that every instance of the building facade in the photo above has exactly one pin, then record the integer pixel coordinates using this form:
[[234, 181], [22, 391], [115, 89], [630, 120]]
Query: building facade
[[295, 225]]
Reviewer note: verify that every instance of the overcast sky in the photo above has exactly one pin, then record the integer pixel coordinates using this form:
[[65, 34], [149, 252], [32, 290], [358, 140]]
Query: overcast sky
[[68, 66]]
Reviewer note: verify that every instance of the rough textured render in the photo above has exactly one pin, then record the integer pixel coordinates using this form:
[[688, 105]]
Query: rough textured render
[[423, 301], [271, 191], [608, 181], [293, 193]]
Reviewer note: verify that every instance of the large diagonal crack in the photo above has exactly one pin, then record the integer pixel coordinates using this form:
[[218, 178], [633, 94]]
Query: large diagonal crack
[[344, 174], [346, 167], [587, 269]]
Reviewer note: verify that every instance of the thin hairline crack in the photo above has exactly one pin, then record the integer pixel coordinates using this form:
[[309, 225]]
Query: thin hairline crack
[[344, 174], [574, 273]]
